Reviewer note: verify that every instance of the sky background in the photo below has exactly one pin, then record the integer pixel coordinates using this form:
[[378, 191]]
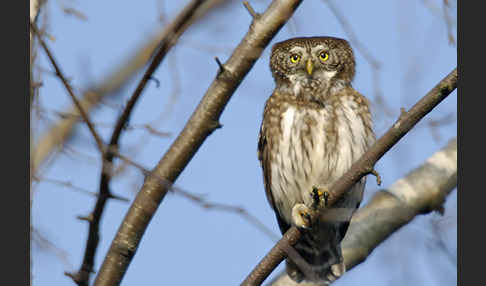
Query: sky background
[[184, 243]]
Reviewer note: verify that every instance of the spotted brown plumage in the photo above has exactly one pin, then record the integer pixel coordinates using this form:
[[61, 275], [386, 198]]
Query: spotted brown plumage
[[315, 125]]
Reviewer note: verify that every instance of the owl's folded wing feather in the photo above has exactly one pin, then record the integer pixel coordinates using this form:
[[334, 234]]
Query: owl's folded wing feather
[[265, 163], [263, 156]]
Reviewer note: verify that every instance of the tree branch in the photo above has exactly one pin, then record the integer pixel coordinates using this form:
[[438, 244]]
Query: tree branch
[[359, 169], [423, 190], [173, 32], [201, 124], [59, 74], [61, 130]]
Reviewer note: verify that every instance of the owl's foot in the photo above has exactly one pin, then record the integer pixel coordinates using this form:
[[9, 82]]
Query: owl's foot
[[319, 197], [301, 216], [337, 270]]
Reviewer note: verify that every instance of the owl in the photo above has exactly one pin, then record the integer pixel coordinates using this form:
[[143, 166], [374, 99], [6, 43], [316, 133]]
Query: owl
[[315, 126]]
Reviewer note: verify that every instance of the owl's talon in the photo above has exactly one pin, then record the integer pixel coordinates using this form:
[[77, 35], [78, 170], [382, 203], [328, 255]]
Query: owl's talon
[[301, 216], [320, 197]]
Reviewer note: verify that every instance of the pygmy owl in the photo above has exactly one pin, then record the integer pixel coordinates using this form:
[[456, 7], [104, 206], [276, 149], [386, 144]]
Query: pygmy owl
[[315, 126]]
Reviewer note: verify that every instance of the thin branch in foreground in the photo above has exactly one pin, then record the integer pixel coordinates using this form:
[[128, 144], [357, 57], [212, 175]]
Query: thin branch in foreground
[[201, 124], [359, 169], [419, 192], [91, 127]]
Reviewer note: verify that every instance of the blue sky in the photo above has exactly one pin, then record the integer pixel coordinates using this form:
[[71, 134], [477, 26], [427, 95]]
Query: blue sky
[[185, 244]]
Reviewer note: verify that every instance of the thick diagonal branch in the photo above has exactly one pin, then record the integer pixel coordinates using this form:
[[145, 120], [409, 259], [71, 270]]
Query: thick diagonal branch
[[359, 169], [202, 123], [421, 191]]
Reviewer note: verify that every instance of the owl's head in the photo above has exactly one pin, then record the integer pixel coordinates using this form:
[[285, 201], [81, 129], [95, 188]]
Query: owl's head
[[312, 62]]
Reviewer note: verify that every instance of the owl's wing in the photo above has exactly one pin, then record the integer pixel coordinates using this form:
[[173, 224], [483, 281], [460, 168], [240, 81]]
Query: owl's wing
[[263, 156], [265, 162]]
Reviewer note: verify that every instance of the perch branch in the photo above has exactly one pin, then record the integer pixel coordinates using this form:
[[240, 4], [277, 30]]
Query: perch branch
[[359, 169], [421, 191]]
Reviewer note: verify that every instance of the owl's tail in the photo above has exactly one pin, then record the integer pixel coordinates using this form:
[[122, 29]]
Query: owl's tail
[[322, 254]]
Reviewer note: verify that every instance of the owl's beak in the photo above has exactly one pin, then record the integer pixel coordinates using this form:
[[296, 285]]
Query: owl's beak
[[309, 66]]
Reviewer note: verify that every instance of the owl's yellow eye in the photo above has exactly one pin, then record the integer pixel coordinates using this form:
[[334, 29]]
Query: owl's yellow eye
[[323, 56], [294, 58]]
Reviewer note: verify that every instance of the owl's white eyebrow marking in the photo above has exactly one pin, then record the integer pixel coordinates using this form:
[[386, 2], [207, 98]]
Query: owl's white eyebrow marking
[[297, 49], [317, 48]]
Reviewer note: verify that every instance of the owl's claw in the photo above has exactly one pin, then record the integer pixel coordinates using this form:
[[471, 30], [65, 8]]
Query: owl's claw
[[301, 216], [319, 197]]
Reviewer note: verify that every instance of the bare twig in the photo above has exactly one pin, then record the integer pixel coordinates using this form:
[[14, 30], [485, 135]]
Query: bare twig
[[44, 114], [45, 244], [420, 192], [378, 177], [35, 6], [201, 201], [74, 12], [448, 21], [91, 127], [250, 9], [201, 124], [220, 65], [359, 169], [72, 153], [70, 185]]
